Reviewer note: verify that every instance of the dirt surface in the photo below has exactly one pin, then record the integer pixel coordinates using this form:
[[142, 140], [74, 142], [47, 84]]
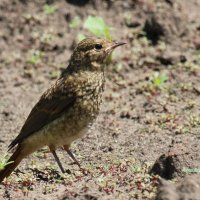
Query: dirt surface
[[182, 158], [188, 188], [151, 97]]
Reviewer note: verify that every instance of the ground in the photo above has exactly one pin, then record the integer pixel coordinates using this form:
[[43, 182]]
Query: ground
[[150, 109]]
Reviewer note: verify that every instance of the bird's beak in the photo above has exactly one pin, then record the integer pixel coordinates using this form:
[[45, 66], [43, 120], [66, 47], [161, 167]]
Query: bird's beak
[[116, 44], [113, 45]]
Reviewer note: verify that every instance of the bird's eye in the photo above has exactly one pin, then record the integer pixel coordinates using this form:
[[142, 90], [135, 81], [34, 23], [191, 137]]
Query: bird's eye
[[98, 46]]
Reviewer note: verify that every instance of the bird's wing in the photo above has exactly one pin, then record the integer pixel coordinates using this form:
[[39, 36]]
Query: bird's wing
[[50, 106]]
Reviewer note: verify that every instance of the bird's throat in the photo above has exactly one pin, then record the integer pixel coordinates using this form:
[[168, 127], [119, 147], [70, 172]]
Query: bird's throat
[[96, 66]]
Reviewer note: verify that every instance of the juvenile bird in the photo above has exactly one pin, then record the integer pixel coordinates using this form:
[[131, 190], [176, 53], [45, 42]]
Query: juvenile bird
[[67, 109]]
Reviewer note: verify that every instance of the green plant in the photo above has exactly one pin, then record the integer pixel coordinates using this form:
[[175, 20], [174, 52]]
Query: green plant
[[46, 38], [198, 57], [34, 57], [75, 22], [158, 80], [49, 9], [154, 84], [136, 168], [80, 37], [3, 162], [97, 26]]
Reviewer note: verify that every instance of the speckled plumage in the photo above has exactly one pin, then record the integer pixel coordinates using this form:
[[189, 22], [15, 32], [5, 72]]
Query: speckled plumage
[[74, 123], [68, 108]]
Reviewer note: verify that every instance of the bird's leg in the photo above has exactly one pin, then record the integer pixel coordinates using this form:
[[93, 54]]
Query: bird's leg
[[52, 149], [66, 148]]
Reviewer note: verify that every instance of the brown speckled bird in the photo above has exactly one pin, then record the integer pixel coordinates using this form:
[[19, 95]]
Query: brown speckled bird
[[68, 108]]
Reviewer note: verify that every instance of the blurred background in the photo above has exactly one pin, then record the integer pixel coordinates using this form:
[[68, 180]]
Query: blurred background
[[148, 128]]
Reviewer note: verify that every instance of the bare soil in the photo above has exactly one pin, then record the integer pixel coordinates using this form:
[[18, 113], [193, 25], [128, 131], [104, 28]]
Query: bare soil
[[151, 102]]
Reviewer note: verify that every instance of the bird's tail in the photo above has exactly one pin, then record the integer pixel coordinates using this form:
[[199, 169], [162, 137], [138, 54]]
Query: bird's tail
[[13, 161]]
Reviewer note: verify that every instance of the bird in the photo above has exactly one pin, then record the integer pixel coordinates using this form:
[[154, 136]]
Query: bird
[[65, 111]]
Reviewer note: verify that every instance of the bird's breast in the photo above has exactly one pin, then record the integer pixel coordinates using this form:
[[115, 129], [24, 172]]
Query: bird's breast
[[75, 121], [89, 103]]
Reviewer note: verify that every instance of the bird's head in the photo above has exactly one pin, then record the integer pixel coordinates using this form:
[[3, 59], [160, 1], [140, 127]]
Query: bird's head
[[92, 53]]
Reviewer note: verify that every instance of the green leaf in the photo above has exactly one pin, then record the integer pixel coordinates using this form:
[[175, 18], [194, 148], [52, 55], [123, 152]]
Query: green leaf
[[198, 57], [97, 26], [159, 79], [3, 162], [35, 57], [80, 37], [48, 9], [75, 22]]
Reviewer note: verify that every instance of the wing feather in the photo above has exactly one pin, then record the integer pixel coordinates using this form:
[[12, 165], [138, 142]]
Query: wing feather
[[50, 106]]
